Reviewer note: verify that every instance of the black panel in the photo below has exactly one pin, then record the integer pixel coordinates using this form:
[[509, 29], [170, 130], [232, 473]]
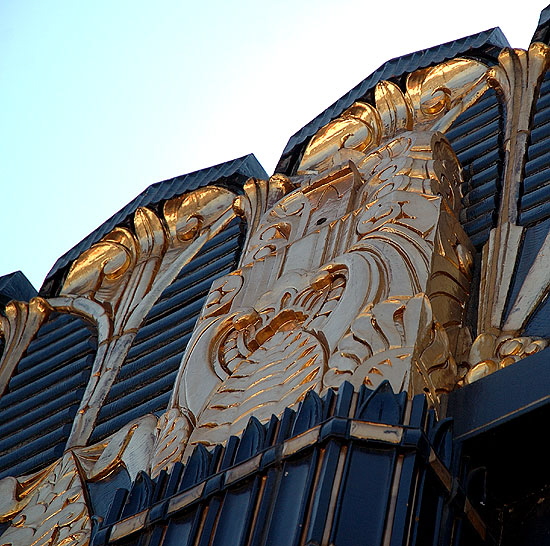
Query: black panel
[[502, 396], [15, 286], [235, 515], [292, 498], [181, 531], [364, 496]]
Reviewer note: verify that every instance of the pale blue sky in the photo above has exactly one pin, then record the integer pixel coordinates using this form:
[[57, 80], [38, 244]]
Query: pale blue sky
[[101, 99]]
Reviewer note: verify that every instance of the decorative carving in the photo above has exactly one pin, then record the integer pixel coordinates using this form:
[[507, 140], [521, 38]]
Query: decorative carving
[[50, 507], [435, 97], [517, 78], [490, 353], [361, 272], [117, 280], [18, 327]]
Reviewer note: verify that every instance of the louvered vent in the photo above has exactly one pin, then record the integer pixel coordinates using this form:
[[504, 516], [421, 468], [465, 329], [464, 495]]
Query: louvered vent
[[535, 191], [43, 395], [475, 138]]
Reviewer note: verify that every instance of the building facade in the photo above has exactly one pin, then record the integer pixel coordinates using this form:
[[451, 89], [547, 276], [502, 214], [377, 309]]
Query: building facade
[[351, 351]]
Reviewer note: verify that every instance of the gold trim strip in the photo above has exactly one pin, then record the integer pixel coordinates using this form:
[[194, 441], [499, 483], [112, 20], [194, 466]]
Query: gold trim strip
[[300, 442], [128, 526], [185, 498], [243, 469], [374, 431]]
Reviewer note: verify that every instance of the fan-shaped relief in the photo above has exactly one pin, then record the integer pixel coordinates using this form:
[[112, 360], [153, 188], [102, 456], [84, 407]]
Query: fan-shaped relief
[[501, 320]]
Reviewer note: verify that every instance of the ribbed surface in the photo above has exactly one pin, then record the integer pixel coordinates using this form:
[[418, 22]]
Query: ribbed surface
[[475, 138], [533, 238], [484, 44], [37, 410], [535, 192], [145, 380], [311, 477], [543, 28], [232, 174]]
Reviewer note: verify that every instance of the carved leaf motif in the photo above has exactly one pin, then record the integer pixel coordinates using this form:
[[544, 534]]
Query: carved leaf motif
[[173, 431], [18, 327], [265, 381], [126, 273], [49, 506]]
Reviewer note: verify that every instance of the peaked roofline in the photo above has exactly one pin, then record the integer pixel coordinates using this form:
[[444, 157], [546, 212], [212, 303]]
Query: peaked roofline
[[484, 45], [232, 174]]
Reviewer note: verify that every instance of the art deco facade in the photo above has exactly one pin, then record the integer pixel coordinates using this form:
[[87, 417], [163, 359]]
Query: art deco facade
[[351, 351]]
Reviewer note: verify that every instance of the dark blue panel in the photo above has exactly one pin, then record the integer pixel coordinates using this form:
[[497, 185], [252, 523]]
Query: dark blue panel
[[380, 405], [102, 492], [265, 511], [482, 406], [15, 286], [196, 469], [405, 500], [37, 452], [535, 190], [181, 531], [291, 501], [45, 389], [40, 419], [229, 452], [364, 495], [44, 393], [17, 406], [532, 241], [207, 527], [252, 441], [309, 414], [476, 139], [140, 495], [235, 516], [34, 462], [343, 400], [427, 519], [323, 493]]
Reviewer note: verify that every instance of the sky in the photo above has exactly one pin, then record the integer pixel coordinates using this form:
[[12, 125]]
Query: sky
[[98, 100]]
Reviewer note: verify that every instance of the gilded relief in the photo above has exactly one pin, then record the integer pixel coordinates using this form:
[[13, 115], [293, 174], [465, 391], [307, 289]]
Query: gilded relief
[[360, 273], [50, 507], [355, 269], [517, 78]]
